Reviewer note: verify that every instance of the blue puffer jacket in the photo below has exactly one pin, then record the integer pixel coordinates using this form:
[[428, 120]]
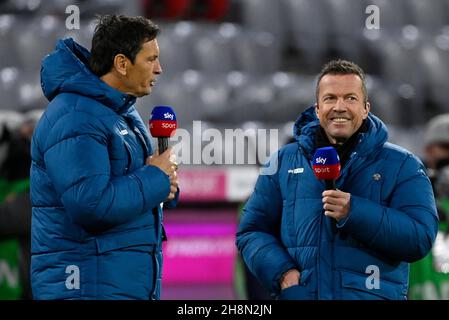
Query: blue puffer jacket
[[96, 222], [392, 220]]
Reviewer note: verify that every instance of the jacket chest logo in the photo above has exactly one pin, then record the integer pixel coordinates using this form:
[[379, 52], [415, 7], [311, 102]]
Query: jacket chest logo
[[296, 171]]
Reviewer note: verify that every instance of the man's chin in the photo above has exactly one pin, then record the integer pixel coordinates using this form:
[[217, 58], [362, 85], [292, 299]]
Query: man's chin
[[148, 91], [143, 93], [338, 138]]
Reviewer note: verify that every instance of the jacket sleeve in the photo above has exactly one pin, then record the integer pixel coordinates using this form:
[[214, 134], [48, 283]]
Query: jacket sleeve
[[258, 235], [406, 228], [174, 202], [79, 167]]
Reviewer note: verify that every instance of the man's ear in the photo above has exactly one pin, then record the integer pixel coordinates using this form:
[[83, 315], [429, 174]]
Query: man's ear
[[316, 108], [367, 109], [120, 64]]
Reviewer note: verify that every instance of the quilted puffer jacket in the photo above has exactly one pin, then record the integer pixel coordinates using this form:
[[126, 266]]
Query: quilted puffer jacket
[[96, 217], [392, 220]]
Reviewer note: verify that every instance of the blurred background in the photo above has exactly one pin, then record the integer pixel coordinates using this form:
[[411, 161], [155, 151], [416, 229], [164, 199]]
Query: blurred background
[[240, 64]]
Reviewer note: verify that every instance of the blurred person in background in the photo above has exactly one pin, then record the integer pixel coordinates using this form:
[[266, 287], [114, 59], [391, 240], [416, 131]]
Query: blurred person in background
[[429, 277], [96, 188], [356, 242], [15, 211]]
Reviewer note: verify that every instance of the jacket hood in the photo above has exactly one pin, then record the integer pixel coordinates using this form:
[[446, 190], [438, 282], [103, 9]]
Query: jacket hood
[[66, 70], [307, 123]]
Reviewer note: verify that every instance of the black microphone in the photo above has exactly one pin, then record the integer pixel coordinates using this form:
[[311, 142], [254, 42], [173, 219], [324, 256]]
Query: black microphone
[[330, 184]]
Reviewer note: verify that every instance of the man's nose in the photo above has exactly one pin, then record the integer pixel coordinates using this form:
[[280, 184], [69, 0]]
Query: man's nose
[[340, 105], [158, 67]]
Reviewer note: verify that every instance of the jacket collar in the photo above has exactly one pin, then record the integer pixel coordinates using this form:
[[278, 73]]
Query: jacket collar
[[307, 124]]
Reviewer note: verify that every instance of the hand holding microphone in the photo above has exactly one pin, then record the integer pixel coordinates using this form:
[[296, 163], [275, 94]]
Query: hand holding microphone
[[336, 204], [326, 166], [163, 161]]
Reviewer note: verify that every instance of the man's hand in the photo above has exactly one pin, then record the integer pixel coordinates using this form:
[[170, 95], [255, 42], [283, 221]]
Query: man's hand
[[173, 186], [163, 161], [336, 204], [290, 278], [167, 163]]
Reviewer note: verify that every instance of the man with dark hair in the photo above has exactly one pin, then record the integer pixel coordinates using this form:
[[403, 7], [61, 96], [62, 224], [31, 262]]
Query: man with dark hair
[[356, 242], [119, 35], [96, 188], [342, 67]]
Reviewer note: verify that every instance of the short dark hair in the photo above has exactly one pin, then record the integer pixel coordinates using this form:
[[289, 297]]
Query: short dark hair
[[341, 67], [119, 34]]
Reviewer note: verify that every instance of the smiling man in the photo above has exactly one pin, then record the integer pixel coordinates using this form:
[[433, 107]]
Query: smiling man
[[383, 208], [342, 106], [96, 188]]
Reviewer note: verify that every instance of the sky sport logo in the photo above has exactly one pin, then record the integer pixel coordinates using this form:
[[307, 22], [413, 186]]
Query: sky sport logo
[[320, 160], [322, 170], [166, 125], [168, 115]]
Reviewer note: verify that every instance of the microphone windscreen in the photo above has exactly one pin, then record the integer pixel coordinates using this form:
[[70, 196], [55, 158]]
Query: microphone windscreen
[[163, 122], [326, 164]]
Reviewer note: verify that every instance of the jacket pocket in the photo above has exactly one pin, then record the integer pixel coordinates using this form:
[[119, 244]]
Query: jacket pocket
[[140, 240], [355, 286], [301, 291], [125, 265]]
